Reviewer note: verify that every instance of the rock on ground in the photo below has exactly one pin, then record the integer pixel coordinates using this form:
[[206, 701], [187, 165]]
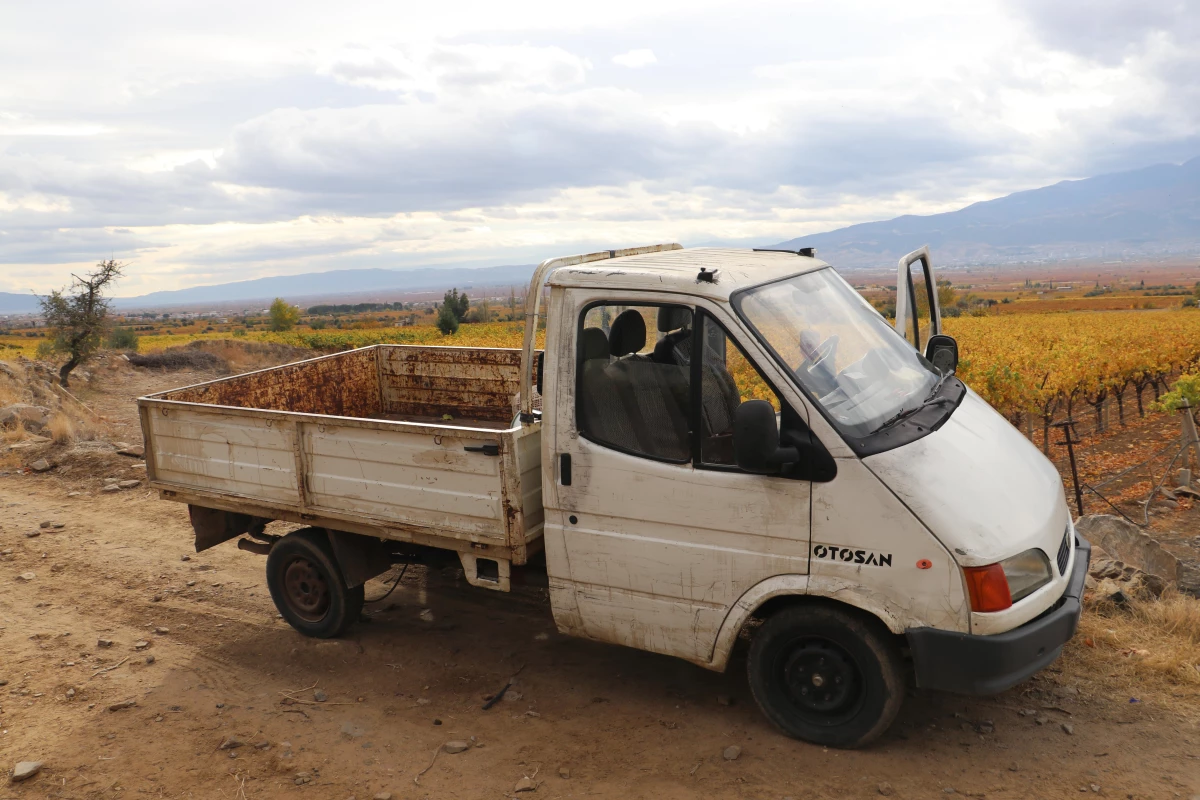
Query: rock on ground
[[34, 418], [26, 770], [1128, 543]]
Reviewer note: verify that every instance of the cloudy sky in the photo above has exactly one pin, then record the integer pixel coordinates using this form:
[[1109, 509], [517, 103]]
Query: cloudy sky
[[220, 141]]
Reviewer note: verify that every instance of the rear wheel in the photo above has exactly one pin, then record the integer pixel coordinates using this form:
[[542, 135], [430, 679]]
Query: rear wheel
[[308, 588], [826, 675]]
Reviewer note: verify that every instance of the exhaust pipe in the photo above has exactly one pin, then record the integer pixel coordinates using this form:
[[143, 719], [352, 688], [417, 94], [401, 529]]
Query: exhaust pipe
[[262, 548]]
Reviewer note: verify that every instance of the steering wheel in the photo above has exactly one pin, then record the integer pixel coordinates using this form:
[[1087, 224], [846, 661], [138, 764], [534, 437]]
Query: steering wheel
[[824, 350]]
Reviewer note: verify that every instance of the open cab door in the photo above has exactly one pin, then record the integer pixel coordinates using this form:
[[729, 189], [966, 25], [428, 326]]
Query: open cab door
[[918, 315]]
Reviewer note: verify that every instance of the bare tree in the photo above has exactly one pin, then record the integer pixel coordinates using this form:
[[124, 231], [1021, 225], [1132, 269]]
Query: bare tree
[[77, 316]]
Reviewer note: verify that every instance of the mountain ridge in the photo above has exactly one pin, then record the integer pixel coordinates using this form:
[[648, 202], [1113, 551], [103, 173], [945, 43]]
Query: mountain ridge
[[309, 285], [1154, 210]]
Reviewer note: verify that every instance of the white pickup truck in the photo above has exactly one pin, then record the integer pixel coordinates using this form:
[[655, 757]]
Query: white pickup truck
[[713, 443]]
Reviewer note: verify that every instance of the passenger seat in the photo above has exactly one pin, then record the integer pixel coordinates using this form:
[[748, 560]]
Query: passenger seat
[[601, 413], [653, 395], [676, 346]]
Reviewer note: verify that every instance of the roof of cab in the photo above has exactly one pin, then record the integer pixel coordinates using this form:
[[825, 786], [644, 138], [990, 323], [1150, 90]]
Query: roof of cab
[[678, 271]]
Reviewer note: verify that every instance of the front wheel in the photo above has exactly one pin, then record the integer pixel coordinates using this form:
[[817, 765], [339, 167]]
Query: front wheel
[[826, 675], [308, 588]]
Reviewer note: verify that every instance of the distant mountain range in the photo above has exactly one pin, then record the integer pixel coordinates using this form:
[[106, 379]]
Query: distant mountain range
[[321, 285], [312, 286], [11, 303], [1150, 211]]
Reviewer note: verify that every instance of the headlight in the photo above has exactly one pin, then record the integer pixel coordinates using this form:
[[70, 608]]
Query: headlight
[[1026, 573]]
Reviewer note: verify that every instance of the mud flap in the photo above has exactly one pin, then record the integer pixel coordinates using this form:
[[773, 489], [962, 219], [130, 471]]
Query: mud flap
[[213, 526], [359, 557]]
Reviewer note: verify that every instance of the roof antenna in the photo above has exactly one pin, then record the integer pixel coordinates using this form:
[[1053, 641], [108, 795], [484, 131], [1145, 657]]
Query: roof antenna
[[810, 252], [706, 277]]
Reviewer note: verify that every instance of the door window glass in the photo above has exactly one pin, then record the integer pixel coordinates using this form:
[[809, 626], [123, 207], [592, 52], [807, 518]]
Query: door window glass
[[632, 392], [727, 379], [918, 326]]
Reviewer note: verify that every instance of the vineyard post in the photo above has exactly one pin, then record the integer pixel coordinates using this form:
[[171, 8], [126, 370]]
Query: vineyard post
[[1190, 439], [1070, 442]]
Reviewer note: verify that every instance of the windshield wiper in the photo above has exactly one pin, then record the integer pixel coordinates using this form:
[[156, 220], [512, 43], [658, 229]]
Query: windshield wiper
[[930, 400]]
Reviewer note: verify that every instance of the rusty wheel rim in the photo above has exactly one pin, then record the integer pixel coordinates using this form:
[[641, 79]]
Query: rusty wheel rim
[[306, 591]]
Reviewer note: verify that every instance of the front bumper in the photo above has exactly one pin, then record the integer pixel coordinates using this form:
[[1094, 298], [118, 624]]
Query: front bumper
[[967, 664]]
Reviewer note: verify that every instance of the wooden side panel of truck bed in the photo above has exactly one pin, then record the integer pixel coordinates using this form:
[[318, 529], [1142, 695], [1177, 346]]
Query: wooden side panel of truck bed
[[450, 485]]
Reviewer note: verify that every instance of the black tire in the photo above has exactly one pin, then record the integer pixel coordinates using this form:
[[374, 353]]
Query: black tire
[[826, 675], [308, 588]]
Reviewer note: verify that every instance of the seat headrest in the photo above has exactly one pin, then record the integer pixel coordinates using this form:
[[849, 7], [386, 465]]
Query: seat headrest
[[672, 318], [628, 333], [593, 344]]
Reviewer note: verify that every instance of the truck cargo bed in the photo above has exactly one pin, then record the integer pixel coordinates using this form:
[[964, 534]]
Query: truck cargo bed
[[401, 442]]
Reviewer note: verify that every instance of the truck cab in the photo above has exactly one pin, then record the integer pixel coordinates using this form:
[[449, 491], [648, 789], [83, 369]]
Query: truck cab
[[736, 438]]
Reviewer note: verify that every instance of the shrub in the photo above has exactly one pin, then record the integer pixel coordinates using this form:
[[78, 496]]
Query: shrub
[[1187, 387], [284, 315], [123, 339], [62, 429], [447, 319], [179, 358]]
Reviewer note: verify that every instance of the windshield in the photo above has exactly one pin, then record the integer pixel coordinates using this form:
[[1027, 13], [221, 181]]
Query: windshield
[[840, 349]]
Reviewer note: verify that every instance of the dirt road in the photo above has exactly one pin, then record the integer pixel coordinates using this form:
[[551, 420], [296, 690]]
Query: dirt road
[[581, 719]]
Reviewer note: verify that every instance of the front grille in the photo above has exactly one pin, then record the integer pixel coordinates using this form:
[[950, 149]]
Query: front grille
[[1064, 552]]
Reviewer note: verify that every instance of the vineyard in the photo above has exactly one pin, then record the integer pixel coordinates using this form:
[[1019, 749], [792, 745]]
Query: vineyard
[[1038, 366], [1027, 366], [1032, 368]]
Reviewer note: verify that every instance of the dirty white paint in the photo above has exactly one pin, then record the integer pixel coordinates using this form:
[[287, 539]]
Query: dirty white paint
[[658, 552], [379, 475], [248, 457], [867, 552]]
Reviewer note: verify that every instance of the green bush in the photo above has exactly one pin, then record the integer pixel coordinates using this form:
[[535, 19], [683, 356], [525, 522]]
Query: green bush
[[123, 339], [447, 319], [1187, 387]]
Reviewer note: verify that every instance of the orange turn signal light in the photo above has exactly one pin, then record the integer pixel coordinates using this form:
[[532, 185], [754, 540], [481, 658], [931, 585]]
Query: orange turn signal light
[[988, 588]]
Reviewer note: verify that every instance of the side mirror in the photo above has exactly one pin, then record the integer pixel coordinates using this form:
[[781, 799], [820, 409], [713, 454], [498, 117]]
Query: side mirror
[[756, 438], [942, 352]]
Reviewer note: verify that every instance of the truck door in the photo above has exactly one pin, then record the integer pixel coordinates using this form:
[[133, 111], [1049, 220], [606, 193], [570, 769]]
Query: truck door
[[655, 532], [918, 315]]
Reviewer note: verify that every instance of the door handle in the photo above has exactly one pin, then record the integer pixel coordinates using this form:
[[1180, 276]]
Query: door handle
[[564, 469], [486, 449]]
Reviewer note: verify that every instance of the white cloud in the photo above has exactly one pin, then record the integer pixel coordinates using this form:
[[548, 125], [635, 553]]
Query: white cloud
[[488, 134], [635, 59]]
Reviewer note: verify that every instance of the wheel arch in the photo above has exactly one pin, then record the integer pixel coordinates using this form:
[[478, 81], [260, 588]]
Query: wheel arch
[[783, 591]]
